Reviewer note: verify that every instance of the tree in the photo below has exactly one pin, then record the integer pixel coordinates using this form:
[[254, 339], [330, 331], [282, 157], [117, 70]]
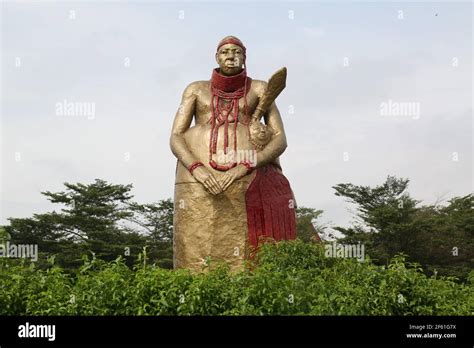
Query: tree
[[305, 224], [3, 234], [388, 221], [156, 220], [87, 224], [382, 215], [445, 237]]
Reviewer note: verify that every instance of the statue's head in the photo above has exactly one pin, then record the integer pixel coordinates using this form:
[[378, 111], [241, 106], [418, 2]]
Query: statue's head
[[260, 134], [230, 55]]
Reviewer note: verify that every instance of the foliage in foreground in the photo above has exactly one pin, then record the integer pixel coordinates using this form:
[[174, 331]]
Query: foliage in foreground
[[289, 278]]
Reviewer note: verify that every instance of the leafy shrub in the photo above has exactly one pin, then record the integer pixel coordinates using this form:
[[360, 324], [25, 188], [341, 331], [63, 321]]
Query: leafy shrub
[[287, 278]]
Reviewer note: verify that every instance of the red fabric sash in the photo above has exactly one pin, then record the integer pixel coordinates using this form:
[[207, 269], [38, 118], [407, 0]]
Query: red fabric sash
[[270, 207]]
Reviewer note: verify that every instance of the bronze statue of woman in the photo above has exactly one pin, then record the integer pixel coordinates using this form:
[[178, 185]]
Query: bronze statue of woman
[[230, 193]]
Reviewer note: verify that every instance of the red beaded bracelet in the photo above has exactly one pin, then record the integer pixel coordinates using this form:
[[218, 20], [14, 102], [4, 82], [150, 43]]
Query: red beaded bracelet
[[247, 164], [194, 165]]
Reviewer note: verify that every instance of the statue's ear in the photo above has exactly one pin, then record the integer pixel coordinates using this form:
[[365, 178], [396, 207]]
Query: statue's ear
[[217, 60]]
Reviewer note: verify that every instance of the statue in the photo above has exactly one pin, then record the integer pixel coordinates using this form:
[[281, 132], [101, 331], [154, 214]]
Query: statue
[[230, 193]]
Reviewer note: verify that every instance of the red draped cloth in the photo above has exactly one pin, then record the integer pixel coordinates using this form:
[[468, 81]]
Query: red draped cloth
[[270, 207]]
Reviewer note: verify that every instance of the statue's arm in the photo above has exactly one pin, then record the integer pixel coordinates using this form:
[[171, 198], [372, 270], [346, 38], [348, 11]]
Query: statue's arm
[[182, 122], [277, 144]]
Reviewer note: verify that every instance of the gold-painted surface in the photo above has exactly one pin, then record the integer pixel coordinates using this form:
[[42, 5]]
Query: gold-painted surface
[[275, 85], [197, 138], [260, 135], [210, 226], [215, 225]]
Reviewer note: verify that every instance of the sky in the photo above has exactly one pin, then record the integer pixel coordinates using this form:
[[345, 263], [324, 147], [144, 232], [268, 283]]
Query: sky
[[373, 89]]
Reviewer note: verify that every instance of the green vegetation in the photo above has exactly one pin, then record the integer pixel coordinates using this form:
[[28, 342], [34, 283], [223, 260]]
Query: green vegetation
[[98, 219], [288, 278], [105, 254], [388, 221]]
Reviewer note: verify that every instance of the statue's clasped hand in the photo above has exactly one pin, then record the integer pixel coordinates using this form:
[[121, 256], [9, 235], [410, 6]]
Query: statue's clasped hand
[[233, 174], [208, 180], [205, 177], [214, 186]]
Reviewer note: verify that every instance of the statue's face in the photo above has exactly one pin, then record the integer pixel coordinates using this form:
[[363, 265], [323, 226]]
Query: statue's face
[[260, 133], [230, 58]]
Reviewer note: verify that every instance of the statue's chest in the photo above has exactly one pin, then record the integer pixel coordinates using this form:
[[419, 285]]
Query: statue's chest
[[224, 107]]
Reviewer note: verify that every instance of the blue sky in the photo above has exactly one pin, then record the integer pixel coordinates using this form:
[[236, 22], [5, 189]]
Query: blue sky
[[336, 106]]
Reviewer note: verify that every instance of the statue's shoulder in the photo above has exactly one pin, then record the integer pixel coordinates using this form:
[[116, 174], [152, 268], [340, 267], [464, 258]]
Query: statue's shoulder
[[196, 86], [259, 86]]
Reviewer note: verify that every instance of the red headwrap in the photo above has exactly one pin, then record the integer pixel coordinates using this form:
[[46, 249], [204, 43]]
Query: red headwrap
[[232, 40]]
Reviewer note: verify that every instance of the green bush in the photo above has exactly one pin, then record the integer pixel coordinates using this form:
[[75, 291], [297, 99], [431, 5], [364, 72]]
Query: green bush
[[288, 278]]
